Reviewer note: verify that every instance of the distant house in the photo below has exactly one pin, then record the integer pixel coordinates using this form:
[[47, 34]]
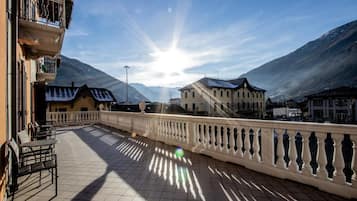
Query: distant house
[[287, 110], [63, 99], [335, 105], [175, 101], [215, 97]]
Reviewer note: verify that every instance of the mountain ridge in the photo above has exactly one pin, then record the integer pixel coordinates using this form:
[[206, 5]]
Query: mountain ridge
[[73, 70], [327, 62]]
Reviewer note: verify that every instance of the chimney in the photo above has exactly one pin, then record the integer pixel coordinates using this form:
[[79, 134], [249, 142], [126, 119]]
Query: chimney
[[72, 84]]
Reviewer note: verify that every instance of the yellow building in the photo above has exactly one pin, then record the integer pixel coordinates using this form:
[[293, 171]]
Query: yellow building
[[215, 97], [69, 99], [29, 31]]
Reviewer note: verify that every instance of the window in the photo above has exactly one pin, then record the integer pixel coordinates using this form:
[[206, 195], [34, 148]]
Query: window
[[215, 107], [243, 105], [214, 93], [193, 107], [227, 93], [193, 94], [83, 109], [248, 105], [221, 93], [238, 94], [221, 106], [186, 94], [248, 94], [238, 106], [243, 94], [186, 107]]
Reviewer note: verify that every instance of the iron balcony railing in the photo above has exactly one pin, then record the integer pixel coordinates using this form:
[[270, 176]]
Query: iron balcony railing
[[47, 65], [48, 12]]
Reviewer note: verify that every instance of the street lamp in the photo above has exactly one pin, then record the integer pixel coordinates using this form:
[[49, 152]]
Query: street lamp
[[127, 84]]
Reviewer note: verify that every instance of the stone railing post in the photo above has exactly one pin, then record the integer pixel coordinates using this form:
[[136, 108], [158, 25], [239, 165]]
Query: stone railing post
[[354, 162], [280, 163], [190, 130], [267, 147], [256, 148], [306, 157], [339, 164], [293, 165], [321, 160]]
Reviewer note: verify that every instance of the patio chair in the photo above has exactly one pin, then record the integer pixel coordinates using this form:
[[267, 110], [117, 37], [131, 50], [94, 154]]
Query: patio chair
[[37, 131], [27, 164]]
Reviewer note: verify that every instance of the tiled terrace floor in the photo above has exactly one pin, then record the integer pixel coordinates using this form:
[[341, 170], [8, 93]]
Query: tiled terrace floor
[[100, 164]]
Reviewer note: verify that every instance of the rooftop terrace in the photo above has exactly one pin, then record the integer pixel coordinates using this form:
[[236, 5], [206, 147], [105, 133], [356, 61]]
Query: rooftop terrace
[[97, 163]]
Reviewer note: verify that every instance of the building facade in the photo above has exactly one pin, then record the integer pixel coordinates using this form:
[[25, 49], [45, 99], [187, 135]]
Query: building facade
[[30, 30], [337, 105], [70, 99], [230, 98]]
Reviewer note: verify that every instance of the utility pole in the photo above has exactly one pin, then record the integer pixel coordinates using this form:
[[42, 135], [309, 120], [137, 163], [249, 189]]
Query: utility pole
[[127, 84]]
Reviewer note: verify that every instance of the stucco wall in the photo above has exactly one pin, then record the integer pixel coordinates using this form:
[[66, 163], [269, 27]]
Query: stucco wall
[[3, 96], [206, 98]]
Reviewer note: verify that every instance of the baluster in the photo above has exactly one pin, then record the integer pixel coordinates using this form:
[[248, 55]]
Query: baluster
[[180, 131], [293, 165], [339, 164], [215, 137], [246, 154], [207, 136], [210, 133], [256, 148], [354, 166], [175, 131], [219, 139], [280, 148], [321, 160], [306, 157], [267, 146], [225, 138], [239, 143], [231, 142]]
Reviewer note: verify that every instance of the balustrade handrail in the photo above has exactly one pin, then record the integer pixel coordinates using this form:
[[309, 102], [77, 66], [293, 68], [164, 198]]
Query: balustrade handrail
[[298, 126], [321, 155]]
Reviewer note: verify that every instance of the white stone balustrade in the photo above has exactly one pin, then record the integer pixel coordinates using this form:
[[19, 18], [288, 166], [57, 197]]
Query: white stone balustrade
[[204, 135]]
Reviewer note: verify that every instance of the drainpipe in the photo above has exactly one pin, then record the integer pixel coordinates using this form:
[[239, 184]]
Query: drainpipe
[[13, 69]]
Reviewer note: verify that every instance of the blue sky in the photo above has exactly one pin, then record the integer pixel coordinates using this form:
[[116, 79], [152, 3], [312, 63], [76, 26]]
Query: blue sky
[[172, 43]]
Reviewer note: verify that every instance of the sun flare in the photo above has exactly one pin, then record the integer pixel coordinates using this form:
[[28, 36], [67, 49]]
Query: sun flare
[[172, 61]]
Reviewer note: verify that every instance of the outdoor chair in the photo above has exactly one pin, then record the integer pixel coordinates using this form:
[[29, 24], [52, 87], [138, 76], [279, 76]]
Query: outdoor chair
[[37, 131], [27, 164]]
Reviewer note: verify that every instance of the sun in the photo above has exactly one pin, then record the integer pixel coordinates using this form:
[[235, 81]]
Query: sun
[[172, 61]]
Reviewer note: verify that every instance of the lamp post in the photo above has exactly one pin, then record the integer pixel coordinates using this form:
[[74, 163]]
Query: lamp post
[[127, 84]]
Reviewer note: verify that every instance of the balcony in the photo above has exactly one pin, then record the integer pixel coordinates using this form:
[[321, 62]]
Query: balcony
[[106, 162], [42, 25], [46, 69]]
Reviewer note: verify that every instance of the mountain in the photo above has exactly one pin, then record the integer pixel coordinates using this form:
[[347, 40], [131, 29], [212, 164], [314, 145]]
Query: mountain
[[327, 62], [157, 94], [72, 70]]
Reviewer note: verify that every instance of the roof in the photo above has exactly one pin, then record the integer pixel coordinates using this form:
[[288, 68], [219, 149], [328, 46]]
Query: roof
[[336, 92], [224, 84], [68, 94]]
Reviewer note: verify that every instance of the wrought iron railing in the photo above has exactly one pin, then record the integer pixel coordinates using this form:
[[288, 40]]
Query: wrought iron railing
[[49, 12]]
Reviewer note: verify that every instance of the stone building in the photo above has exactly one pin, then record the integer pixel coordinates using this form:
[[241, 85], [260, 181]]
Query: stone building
[[69, 99], [230, 98], [334, 105]]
